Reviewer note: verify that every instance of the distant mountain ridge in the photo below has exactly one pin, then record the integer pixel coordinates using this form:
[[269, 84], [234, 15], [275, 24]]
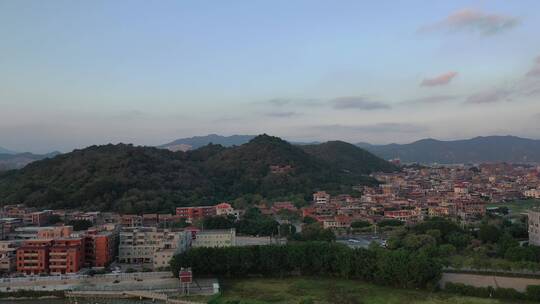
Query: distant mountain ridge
[[6, 151], [195, 142], [19, 160], [481, 149]]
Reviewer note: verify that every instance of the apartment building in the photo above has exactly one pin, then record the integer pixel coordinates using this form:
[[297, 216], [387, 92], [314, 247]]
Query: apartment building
[[100, 246], [194, 213], [215, 238], [321, 197], [59, 256], [8, 256], [138, 245], [33, 257], [532, 193], [66, 256]]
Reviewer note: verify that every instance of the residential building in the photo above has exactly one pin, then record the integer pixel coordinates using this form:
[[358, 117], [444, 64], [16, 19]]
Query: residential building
[[215, 238], [66, 255], [8, 256], [138, 245], [532, 193], [33, 257], [194, 213], [321, 197], [101, 247]]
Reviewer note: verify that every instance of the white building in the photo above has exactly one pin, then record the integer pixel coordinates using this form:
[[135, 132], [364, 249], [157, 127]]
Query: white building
[[533, 193], [215, 238], [534, 227], [321, 197], [140, 245]]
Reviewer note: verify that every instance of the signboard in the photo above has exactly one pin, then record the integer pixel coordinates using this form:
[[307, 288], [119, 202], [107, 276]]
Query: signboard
[[186, 276]]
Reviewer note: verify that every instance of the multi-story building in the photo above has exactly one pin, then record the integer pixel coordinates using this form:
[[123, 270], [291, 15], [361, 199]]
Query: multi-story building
[[321, 197], [138, 245], [8, 256], [48, 232], [194, 213], [534, 227], [66, 256], [38, 218], [100, 246], [226, 209], [532, 193], [215, 238], [59, 256], [33, 257]]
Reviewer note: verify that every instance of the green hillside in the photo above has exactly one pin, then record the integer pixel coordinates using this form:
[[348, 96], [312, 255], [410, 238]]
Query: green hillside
[[126, 178]]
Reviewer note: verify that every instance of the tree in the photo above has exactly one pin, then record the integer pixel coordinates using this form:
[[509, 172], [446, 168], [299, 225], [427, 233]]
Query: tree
[[390, 223], [314, 232], [55, 219], [489, 233], [79, 225], [360, 224], [218, 222], [308, 220]]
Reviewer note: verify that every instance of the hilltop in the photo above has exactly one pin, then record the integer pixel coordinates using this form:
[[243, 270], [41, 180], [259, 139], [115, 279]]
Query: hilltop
[[127, 178], [348, 157]]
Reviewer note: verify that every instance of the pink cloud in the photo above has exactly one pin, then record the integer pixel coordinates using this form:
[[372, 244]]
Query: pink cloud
[[473, 21], [442, 79]]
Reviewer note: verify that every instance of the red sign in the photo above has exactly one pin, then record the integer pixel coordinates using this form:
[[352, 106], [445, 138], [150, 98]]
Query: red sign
[[186, 276]]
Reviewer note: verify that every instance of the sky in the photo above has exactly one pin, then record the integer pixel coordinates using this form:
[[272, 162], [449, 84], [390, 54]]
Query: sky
[[78, 73]]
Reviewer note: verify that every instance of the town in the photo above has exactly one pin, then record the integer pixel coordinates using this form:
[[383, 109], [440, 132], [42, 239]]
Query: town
[[58, 242]]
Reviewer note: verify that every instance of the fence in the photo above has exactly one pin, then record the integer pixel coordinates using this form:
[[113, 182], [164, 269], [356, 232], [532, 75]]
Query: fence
[[79, 277]]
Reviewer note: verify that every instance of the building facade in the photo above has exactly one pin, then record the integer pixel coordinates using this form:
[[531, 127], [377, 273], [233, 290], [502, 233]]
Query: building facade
[[215, 238], [534, 227], [138, 245]]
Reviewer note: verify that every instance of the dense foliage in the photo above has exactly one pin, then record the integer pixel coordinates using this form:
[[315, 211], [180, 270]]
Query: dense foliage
[[348, 157], [132, 179], [399, 268]]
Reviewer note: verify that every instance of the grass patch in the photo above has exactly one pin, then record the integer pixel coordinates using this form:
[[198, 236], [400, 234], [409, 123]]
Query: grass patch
[[518, 206], [331, 291]]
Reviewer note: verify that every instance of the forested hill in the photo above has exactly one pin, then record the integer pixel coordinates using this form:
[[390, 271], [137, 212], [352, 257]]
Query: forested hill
[[126, 178], [348, 157]]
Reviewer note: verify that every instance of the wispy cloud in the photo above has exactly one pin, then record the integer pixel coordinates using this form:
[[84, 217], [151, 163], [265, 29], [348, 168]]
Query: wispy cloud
[[282, 114], [490, 96], [439, 80], [383, 127], [524, 87], [535, 70], [281, 102], [431, 99], [471, 20], [357, 102]]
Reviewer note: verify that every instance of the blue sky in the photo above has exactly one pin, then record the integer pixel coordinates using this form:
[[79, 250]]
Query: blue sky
[[76, 73]]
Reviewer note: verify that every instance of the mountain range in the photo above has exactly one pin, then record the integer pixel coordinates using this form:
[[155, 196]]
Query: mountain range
[[480, 149], [185, 144], [9, 161], [6, 151], [135, 179], [486, 149]]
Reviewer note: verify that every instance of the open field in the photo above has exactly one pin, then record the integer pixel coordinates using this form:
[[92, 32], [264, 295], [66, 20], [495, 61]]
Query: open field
[[518, 206], [331, 291]]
